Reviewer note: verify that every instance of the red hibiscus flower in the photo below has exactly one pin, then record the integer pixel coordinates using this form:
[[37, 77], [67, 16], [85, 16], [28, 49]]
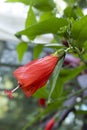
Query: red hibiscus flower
[[35, 74], [50, 124]]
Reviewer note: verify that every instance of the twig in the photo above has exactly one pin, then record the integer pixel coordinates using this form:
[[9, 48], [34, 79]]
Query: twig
[[10, 65]]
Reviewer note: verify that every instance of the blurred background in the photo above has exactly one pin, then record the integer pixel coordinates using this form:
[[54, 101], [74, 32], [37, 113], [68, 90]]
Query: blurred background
[[16, 112], [12, 18]]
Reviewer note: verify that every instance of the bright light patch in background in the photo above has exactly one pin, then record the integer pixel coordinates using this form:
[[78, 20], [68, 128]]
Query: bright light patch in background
[[15, 9], [3, 106], [84, 107], [2, 1], [61, 5], [85, 11], [69, 118], [12, 19]]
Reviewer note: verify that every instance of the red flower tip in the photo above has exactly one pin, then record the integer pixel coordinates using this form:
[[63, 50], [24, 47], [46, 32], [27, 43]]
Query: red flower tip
[[9, 93], [50, 124], [42, 102]]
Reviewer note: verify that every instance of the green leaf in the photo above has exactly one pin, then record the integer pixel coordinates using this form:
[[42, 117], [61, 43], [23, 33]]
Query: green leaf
[[21, 49], [79, 12], [37, 50], [51, 25], [44, 5], [65, 75], [58, 91], [70, 2], [81, 112], [68, 74], [55, 77], [84, 55], [85, 46], [22, 1], [53, 106], [79, 30], [42, 93], [31, 18], [74, 12], [46, 15]]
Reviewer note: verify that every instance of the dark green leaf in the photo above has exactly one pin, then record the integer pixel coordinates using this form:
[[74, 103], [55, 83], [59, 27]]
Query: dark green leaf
[[21, 49], [44, 5], [74, 12], [85, 46], [68, 74], [79, 30], [65, 75], [53, 106], [81, 112]]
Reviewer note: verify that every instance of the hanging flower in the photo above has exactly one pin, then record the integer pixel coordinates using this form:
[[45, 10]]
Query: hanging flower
[[34, 75], [50, 124]]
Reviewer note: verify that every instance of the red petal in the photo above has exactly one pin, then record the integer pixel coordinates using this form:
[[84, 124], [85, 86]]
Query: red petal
[[50, 124], [35, 74], [37, 68], [29, 91]]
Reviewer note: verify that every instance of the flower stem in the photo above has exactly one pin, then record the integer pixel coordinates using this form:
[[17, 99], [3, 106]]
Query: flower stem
[[15, 89], [68, 49]]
